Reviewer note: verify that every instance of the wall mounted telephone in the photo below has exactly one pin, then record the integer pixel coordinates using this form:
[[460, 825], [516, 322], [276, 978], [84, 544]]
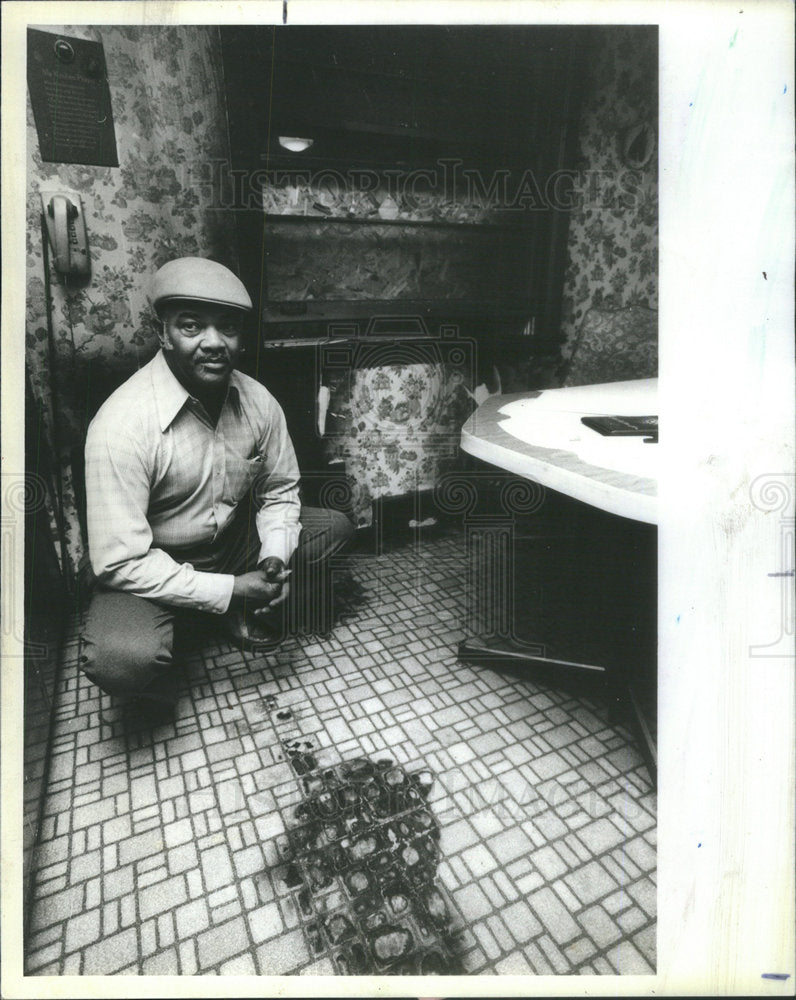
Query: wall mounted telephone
[[66, 228]]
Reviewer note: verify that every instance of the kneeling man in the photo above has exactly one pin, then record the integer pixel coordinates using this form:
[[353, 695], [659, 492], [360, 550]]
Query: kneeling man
[[192, 492]]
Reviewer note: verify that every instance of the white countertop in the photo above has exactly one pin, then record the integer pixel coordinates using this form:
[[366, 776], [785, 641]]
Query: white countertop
[[539, 435]]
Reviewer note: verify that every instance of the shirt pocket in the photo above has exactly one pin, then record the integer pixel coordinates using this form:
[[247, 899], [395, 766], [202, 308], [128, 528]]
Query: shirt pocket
[[242, 473]]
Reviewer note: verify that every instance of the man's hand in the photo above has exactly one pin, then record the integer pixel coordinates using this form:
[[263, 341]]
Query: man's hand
[[276, 573], [263, 587]]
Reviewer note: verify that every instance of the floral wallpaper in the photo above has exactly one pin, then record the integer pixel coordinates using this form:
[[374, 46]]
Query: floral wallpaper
[[167, 95], [613, 231]]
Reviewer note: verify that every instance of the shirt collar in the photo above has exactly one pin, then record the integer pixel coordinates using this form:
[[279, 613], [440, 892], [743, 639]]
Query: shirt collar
[[171, 395]]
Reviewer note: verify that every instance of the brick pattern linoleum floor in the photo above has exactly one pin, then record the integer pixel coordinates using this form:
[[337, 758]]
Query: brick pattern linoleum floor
[[170, 847]]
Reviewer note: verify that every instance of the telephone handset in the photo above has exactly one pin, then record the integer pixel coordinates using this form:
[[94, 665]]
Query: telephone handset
[[66, 229]]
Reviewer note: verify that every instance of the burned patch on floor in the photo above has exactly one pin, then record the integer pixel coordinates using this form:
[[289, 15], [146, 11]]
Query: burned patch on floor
[[360, 862]]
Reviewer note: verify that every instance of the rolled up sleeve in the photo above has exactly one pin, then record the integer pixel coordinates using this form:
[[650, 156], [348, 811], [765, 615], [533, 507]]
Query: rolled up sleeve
[[118, 476]]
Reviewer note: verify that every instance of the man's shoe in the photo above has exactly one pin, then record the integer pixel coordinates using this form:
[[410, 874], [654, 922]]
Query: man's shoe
[[251, 633]]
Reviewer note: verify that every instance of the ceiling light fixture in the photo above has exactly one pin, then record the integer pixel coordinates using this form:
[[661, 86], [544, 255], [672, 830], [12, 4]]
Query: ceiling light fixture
[[294, 143]]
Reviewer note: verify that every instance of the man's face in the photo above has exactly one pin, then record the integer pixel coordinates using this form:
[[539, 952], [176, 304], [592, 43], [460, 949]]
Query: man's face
[[201, 343]]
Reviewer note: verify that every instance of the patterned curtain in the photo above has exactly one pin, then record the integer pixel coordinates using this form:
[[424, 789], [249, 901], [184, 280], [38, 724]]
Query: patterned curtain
[[613, 230], [615, 345], [396, 428]]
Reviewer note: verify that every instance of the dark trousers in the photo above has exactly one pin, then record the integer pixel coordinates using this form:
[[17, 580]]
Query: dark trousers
[[127, 642]]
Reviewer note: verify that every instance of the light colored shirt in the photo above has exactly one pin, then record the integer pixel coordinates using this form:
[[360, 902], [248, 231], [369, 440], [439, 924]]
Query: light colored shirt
[[162, 481]]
